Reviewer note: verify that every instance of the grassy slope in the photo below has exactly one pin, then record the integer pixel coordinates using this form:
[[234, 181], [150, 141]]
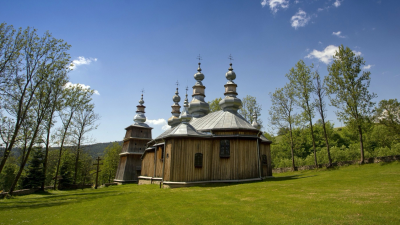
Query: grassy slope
[[368, 194]]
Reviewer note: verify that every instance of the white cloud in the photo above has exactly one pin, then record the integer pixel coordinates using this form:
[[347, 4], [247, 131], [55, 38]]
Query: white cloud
[[320, 9], [337, 3], [84, 87], [338, 34], [326, 56], [367, 67], [275, 4], [300, 19], [81, 61], [159, 122]]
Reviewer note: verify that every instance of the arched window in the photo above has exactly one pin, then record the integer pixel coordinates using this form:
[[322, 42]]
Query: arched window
[[198, 160], [225, 149]]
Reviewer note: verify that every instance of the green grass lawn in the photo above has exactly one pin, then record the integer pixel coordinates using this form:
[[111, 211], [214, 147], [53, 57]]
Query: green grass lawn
[[368, 194]]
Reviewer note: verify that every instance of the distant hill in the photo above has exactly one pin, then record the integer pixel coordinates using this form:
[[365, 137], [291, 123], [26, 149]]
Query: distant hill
[[97, 149], [94, 150]]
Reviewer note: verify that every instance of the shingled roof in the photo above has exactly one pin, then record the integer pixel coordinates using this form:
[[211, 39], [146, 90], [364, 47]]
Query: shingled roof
[[224, 120]]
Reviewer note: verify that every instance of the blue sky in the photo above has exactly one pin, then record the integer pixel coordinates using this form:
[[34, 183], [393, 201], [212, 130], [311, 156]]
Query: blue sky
[[122, 47]]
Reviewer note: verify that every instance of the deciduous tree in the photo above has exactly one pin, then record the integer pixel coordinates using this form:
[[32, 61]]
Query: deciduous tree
[[282, 112], [300, 78], [348, 90]]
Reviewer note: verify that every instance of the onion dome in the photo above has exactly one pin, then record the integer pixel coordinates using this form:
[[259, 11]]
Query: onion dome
[[198, 106], [199, 76], [174, 119], [230, 75], [140, 117], [176, 97], [230, 102], [185, 116], [255, 124]]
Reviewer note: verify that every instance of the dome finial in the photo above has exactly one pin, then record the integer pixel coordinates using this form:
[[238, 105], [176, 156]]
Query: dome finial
[[141, 101], [174, 119], [255, 124], [185, 116]]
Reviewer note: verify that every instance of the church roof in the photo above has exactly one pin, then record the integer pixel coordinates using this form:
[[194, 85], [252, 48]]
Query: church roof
[[185, 129], [264, 139], [221, 120]]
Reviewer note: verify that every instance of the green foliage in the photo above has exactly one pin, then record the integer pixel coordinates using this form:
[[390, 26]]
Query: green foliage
[[35, 176], [249, 106], [66, 170], [388, 114], [7, 176], [214, 105], [110, 162]]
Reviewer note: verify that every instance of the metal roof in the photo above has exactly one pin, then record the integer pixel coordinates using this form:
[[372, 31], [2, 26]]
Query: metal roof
[[186, 130], [223, 120]]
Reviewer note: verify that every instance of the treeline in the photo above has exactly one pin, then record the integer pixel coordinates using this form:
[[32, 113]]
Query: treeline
[[369, 130], [40, 109]]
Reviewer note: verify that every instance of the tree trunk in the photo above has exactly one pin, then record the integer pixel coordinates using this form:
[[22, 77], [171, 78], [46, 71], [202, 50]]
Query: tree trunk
[[47, 150], [327, 143], [61, 148], [77, 159], [361, 144], [291, 147], [25, 159], [313, 143]]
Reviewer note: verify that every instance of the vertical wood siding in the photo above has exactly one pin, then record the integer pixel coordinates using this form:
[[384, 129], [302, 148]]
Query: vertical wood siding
[[242, 163], [265, 149], [148, 164]]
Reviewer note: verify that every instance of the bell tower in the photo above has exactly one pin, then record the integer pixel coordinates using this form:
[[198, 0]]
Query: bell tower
[[136, 137]]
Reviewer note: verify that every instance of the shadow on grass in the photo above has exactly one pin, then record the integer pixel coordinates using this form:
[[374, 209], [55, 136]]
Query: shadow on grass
[[55, 199], [292, 177]]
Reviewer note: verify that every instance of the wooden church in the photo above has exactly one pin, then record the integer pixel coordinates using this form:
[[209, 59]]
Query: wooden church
[[200, 147]]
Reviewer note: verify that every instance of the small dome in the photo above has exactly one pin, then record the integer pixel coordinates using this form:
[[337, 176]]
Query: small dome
[[230, 75], [141, 101], [199, 76], [185, 115], [176, 97]]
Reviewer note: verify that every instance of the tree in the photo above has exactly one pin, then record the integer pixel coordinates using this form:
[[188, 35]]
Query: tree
[[83, 121], [75, 97], [282, 112], [214, 105], [27, 74], [319, 90], [56, 105], [11, 43], [301, 80], [35, 175], [110, 161], [351, 95], [249, 105], [388, 114]]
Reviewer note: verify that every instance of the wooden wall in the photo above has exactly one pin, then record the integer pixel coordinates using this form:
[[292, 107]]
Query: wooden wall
[[242, 163], [138, 132], [159, 162], [127, 168], [134, 146], [148, 164], [265, 149], [234, 132]]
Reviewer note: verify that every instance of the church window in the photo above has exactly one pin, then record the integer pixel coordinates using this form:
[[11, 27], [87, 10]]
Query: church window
[[225, 149], [264, 159], [198, 160]]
